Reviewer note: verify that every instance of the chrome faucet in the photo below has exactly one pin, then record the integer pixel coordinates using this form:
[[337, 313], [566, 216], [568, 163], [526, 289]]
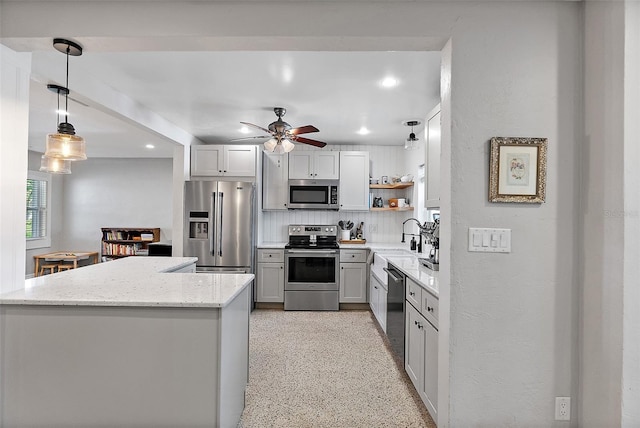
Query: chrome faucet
[[422, 227]]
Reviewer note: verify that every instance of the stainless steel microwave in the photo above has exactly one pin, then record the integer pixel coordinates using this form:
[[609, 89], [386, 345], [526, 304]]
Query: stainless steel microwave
[[313, 194]]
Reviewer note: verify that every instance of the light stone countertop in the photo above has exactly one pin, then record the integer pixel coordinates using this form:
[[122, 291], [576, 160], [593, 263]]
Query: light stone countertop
[[410, 265], [131, 281], [272, 245]]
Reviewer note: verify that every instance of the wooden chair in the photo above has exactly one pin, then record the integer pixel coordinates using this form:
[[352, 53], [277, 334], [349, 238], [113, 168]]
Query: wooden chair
[[65, 266], [50, 267]]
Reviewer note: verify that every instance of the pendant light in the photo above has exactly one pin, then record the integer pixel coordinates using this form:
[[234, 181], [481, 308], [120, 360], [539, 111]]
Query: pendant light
[[411, 143], [55, 165], [65, 144]]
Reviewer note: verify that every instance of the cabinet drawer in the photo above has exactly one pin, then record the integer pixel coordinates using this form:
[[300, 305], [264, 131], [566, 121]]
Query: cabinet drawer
[[270, 256], [430, 308], [353, 256], [414, 293]]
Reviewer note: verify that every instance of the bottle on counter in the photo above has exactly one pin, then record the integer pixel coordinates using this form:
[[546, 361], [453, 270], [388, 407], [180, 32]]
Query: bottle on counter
[[413, 243]]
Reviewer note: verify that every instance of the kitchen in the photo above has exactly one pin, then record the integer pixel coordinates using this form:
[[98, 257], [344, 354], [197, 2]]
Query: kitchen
[[491, 318]]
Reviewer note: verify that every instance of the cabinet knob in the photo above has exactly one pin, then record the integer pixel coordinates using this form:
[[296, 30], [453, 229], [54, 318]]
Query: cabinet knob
[[225, 170], [411, 293], [375, 286], [270, 255], [281, 267], [219, 170], [429, 308], [341, 267], [415, 322]]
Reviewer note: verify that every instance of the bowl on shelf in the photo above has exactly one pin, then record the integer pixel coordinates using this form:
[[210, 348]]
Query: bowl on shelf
[[406, 178], [373, 181]]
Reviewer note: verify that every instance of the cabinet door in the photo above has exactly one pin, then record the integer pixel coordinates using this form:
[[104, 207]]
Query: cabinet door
[[206, 160], [354, 181], [326, 165], [239, 161], [432, 185], [270, 282], [414, 345], [300, 165], [429, 391], [275, 174], [353, 283]]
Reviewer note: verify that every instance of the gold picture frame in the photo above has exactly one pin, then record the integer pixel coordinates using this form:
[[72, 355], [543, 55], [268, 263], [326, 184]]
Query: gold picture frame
[[518, 170]]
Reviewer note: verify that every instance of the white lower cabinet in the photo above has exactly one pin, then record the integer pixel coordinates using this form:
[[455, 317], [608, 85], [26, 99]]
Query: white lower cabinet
[[421, 357], [270, 276], [353, 276], [353, 283], [378, 301]]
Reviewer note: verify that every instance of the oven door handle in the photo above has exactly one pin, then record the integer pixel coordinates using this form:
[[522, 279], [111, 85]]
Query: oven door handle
[[392, 274], [312, 252]]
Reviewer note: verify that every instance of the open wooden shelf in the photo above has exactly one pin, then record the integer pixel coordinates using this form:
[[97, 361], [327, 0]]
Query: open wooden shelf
[[391, 186], [392, 209]]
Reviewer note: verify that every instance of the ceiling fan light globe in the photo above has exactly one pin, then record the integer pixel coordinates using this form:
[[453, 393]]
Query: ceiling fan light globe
[[270, 145], [287, 145], [279, 149]]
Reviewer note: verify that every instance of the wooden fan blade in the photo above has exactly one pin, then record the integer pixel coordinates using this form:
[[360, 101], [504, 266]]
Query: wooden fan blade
[[256, 126], [303, 130], [251, 138], [310, 142]]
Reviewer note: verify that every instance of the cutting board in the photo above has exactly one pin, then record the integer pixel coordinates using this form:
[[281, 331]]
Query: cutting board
[[354, 241]]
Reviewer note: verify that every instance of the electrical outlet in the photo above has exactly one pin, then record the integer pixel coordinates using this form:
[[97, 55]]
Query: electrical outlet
[[373, 228], [563, 408]]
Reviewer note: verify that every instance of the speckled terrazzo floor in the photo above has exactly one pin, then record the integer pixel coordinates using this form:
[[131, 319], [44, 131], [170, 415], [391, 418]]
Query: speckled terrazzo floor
[[325, 369]]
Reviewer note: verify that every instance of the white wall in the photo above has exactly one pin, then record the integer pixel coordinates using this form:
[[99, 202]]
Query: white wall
[[109, 192], [14, 126], [610, 350], [515, 71]]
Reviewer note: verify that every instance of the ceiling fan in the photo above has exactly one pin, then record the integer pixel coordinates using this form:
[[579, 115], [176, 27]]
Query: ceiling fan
[[282, 135]]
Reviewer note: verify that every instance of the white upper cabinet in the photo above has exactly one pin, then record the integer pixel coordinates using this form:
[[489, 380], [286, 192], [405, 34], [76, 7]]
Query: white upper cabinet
[[432, 174], [223, 160], [275, 175], [354, 181], [321, 165]]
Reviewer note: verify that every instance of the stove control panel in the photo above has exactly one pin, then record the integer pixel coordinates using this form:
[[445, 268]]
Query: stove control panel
[[322, 230]]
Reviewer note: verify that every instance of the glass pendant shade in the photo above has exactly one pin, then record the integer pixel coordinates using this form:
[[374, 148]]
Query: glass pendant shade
[[55, 165], [410, 144], [287, 145], [65, 146], [270, 145]]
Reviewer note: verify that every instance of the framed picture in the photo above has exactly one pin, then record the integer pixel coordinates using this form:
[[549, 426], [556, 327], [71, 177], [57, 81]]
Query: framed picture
[[518, 170]]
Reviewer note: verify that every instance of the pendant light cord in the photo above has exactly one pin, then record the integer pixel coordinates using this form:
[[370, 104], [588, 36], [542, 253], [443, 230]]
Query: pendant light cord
[[66, 95]]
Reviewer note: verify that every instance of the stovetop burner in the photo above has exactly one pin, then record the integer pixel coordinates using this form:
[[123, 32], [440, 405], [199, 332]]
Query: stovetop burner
[[313, 237]]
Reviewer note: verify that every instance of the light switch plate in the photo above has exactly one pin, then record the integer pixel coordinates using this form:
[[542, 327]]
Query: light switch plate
[[489, 240]]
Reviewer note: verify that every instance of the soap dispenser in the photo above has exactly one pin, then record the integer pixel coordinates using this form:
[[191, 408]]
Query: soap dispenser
[[413, 243]]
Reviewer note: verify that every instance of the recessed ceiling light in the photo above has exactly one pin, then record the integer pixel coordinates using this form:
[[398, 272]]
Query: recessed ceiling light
[[244, 130], [150, 146], [389, 82], [363, 131]]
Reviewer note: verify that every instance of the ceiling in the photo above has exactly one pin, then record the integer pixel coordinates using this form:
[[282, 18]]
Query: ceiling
[[207, 94]]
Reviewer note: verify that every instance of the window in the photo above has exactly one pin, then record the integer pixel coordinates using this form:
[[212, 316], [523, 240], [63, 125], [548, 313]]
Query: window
[[38, 220]]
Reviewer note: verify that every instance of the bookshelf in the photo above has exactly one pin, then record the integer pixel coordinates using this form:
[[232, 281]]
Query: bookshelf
[[120, 242]]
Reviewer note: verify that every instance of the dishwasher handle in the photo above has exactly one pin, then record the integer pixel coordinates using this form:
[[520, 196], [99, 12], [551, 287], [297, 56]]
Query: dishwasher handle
[[393, 275]]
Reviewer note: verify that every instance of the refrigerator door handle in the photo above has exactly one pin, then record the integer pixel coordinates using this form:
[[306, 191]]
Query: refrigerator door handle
[[220, 224], [212, 228]]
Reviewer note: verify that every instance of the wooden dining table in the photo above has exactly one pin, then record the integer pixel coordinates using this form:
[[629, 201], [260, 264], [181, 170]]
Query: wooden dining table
[[73, 256]]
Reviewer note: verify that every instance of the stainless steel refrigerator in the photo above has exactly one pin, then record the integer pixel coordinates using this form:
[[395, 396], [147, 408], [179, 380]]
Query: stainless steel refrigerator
[[219, 219]]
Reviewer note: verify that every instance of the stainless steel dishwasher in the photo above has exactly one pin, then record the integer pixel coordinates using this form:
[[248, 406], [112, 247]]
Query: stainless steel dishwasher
[[395, 309]]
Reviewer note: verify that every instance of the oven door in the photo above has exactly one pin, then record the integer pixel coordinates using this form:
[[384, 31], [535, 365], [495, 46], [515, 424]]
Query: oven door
[[307, 270]]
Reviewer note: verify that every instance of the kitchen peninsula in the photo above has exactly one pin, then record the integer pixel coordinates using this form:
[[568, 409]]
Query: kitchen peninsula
[[139, 341]]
